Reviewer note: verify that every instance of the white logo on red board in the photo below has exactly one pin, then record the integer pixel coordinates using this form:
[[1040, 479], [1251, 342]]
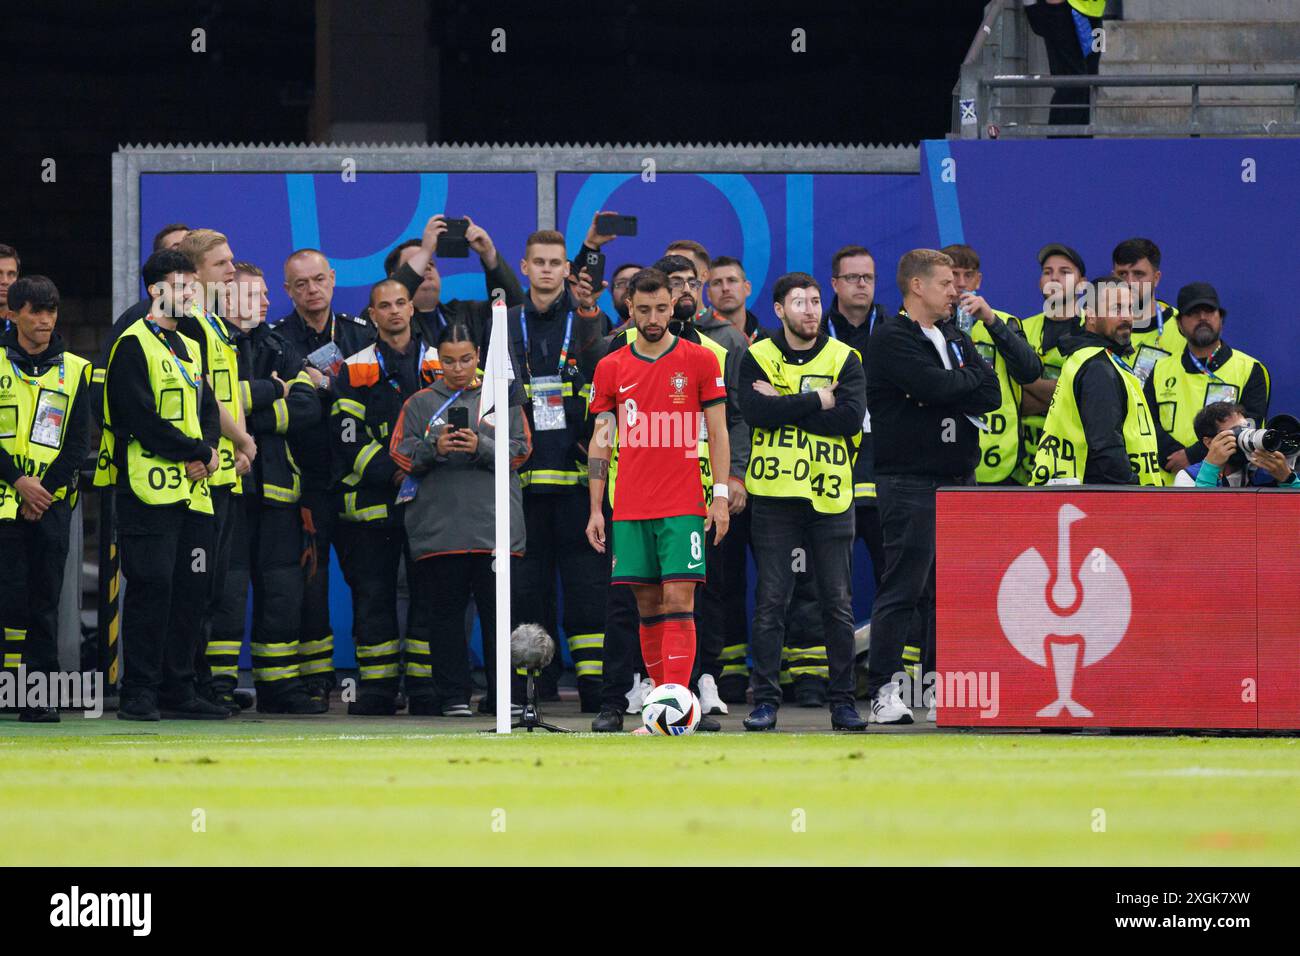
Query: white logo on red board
[[1093, 614]]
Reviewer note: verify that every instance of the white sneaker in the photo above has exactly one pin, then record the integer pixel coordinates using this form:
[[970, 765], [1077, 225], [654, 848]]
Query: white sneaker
[[932, 714], [888, 707], [710, 702], [636, 696]]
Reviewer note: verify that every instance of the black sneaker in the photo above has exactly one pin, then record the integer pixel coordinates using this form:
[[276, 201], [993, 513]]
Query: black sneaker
[[137, 708], [244, 698], [39, 715], [608, 721], [295, 702], [222, 698], [846, 717], [193, 708], [372, 705], [708, 725]]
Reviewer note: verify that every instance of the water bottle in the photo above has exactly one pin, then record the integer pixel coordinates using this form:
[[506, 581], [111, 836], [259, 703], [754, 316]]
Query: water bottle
[[965, 321]]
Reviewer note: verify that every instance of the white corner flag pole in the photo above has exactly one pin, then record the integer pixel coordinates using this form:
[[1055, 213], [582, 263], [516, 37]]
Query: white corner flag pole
[[498, 375]]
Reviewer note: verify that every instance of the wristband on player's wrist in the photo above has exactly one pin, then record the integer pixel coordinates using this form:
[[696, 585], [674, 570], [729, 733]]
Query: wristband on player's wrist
[[721, 490]]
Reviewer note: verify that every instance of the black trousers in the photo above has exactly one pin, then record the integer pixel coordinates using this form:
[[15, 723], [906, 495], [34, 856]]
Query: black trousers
[[904, 604], [166, 556], [1065, 57], [441, 589], [622, 650], [867, 530], [226, 508], [711, 611], [34, 554], [557, 543], [779, 528], [316, 635], [370, 554], [265, 551], [735, 557]]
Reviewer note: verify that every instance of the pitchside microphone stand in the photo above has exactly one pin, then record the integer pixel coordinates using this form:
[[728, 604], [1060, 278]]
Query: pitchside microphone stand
[[532, 649]]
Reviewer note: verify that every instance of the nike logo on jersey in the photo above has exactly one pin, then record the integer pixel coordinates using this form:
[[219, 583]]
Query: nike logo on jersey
[[627, 388], [695, 565]]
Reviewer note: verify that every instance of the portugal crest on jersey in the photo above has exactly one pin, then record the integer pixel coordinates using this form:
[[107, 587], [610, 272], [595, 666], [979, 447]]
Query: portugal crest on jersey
[[678, 381]]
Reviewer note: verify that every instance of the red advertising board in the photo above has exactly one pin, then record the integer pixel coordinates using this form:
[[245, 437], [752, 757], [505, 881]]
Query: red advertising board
[[1071, 607], [1277, 604]]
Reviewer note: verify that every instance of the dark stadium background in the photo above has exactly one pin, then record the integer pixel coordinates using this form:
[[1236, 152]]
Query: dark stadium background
[[80, 77]]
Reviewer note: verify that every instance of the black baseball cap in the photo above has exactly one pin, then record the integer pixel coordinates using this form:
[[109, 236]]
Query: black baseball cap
[[1058, 249], [1199, 293]]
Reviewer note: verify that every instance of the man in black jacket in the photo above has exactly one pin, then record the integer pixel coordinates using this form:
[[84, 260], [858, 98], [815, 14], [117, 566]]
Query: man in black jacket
[[926, 382]]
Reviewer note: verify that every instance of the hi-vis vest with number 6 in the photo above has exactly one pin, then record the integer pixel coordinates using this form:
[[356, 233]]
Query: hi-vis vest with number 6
[[1000, 445], [1063, 449], [33, 421], [154, 480], [788, 462], [223, 375]]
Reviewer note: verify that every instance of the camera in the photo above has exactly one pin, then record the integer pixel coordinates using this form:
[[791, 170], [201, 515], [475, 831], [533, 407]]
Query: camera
[[1252, 440]]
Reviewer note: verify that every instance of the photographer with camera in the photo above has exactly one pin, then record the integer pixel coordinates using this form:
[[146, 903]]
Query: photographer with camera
[[1205, 372], [1240, 456]]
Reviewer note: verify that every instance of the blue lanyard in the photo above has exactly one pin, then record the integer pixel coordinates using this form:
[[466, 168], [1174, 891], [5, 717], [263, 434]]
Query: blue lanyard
[[1160, 320], [191, 382], [871, 324], [438, 414], [564, 349], [383, 367], [1128, 368], [214, 322], [1205, 366], [956, 353]]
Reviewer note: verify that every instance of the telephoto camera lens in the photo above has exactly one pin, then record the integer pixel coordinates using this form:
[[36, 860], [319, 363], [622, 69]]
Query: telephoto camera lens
[[1252, 440]]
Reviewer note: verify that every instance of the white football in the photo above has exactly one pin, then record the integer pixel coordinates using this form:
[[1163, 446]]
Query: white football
[[671, 710]]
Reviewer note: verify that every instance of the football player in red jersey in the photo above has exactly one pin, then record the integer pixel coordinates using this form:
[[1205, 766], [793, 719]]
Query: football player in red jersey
[[659, 387]]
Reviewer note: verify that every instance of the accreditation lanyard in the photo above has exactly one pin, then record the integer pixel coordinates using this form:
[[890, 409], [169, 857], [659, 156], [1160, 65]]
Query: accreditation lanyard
[[438, 414], [1160, 320], [35, 382], [871, 324], [564, 349], [216, 324], [191, 382], [1205, 366], [383, 367], [1128, 368]]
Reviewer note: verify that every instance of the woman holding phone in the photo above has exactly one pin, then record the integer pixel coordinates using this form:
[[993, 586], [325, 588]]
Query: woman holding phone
[[448, 451]]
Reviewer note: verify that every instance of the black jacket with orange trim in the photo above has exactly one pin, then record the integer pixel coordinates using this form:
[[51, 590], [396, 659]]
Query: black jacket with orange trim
[[371, 389]]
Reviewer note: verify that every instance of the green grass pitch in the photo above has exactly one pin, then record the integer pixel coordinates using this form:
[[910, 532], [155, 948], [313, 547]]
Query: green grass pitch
[[285, 792]]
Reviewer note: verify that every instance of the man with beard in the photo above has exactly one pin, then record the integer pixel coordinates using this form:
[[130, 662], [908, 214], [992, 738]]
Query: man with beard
[[1205, 372], [619, 288], [1137, 261], [1098, 430], [802, 393], [710, 609], [661, 517]]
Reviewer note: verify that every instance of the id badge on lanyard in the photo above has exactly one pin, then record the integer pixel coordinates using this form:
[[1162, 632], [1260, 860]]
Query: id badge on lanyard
[[47, 424], [1220, 392], [548, 404]]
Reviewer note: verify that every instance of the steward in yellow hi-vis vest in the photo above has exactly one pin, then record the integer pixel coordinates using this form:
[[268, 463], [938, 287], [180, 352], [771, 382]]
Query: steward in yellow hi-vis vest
[[788, 462], [44, 436], [1003, 346], [277, 398], [1044, 336], [216, 341], [803, 395], [161, 427], [1207, 370], [1098, 429]]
